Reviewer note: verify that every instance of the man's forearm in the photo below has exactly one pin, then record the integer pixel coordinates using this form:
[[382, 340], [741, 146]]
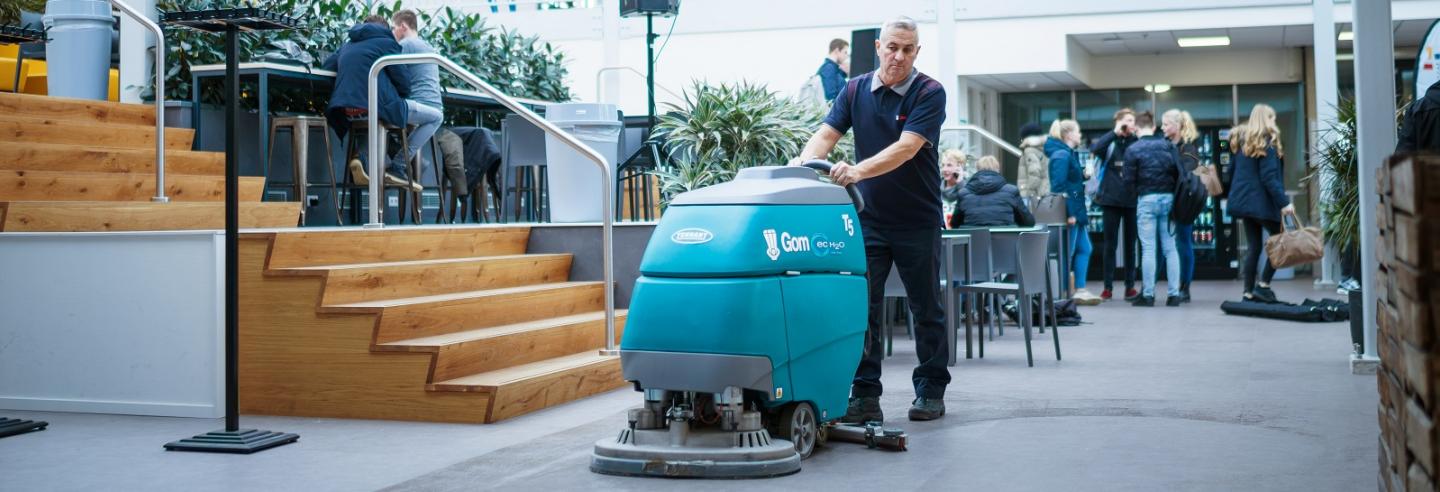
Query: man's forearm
[[820, 144], [891, 157]]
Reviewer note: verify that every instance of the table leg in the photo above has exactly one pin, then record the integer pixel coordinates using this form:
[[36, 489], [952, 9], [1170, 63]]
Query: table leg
[[299, 157], [948, 259], [195, 110], [264, 96], [968, 306]]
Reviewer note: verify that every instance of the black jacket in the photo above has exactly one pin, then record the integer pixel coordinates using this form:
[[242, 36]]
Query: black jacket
[[482, 155], [1420, 131], [1257, 187], [368, 42], [1116, 187], [1189, 156], [987, 200], [1156, 165]]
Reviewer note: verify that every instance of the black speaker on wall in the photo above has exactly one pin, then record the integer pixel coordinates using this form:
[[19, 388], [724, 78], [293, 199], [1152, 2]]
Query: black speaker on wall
[[862, 51]]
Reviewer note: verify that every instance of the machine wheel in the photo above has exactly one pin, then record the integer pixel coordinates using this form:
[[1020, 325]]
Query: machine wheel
[[799, 426]]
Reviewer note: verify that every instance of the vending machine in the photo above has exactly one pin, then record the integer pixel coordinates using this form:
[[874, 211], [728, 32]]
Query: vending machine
[[1214, 234]]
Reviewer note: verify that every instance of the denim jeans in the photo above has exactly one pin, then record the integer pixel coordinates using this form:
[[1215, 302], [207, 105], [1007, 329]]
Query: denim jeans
[[1152, 215], [426, 120], [1185, 246], [916, 254], [1080, 253]]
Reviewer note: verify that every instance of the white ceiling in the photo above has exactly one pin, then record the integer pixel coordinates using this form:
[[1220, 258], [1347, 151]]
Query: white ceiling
[[1025, 82], [1407, 33]]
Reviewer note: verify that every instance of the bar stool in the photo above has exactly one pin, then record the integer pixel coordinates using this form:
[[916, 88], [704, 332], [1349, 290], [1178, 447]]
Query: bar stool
[[299, 127], [359, 125]]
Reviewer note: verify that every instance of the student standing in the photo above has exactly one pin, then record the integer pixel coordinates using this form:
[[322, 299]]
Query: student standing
[[1067, 179], [1180, 130], [1116, 198], [1257, 194], [1154, 166]]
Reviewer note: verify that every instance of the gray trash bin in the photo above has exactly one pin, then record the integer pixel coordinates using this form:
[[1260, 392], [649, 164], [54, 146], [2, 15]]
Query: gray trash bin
[[78, 48], [573, 180]]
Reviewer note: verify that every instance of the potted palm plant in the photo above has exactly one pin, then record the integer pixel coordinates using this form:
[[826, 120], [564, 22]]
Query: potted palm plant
[[1337, 164]]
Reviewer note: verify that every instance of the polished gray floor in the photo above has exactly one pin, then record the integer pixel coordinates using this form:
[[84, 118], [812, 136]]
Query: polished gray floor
[[1146, 399]]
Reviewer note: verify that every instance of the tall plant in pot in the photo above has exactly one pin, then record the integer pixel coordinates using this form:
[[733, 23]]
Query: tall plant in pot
[[720, 129], [1337, 166]]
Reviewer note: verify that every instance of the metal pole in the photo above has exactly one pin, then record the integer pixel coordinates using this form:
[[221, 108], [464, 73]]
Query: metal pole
[[987, 135], [607, 199], [232, 234], [159, 95], [600, 82], [1327, 95], [1375, 135], [650, 66]]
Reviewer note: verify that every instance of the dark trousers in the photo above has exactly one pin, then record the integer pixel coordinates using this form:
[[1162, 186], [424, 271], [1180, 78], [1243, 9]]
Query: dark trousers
[[1185, 247], [1113, 217], [916, 254], [1255, 242]]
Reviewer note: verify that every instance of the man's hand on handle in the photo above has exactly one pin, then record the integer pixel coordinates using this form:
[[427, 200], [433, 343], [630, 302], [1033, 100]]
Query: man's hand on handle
[[844, 174]]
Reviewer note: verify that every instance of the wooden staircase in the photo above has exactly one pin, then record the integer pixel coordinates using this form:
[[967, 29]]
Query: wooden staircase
[[431, 324], [69, 165]]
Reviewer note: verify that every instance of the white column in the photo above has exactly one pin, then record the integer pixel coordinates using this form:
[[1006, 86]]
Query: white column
[[1375, 126], [610, 34], [136, 61], [1327, 92], [945, 23]]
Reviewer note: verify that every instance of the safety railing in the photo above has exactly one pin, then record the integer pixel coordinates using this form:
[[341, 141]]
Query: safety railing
[[159, 95], [600, 81], [607, 202], [984, 134]]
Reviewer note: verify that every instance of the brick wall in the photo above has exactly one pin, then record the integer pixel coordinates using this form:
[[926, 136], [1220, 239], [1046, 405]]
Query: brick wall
[[1408, 292]]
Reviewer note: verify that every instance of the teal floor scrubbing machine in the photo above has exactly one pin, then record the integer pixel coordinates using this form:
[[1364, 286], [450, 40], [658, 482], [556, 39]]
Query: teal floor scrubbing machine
[[745, 329]]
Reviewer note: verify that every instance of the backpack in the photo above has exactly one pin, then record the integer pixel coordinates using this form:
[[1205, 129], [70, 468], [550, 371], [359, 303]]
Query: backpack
[[1191, 196], [1066, 312], [812, 92]]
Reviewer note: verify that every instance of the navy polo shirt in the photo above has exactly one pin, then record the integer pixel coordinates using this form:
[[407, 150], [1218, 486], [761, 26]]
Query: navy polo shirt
[[907, 197]]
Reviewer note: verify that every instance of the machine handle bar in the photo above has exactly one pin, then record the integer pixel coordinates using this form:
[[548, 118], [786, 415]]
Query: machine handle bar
[[824, 167]]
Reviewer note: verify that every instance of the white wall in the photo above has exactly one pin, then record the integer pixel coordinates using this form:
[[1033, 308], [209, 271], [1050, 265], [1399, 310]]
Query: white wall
[[112, 323], [1203, 68]]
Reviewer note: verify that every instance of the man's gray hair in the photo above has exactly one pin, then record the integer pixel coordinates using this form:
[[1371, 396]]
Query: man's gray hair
[[902, 23]]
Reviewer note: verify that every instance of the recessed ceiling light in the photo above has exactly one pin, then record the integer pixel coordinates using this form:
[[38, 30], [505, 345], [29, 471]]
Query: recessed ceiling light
[[1158, 88], [1346, 36], [1202, 41]]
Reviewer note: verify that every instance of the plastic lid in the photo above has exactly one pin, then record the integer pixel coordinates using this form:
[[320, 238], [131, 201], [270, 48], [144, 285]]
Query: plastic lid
[[768, 185]]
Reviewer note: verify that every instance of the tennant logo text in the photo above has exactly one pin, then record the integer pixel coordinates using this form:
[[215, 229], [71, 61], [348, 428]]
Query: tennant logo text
[[691, 236]]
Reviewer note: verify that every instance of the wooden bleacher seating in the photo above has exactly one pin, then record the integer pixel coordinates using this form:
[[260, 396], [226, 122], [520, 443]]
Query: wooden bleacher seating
[[72, 165]]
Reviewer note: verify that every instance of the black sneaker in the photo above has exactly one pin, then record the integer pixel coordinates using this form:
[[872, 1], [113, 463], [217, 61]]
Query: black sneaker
[[1174, 301], [927, 409], [1143, 301], [863, 409], [1185, 294], [1262, 294]]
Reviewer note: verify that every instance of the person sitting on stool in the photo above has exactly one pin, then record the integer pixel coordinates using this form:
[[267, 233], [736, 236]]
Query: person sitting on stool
[[987, 200], [368, 42]]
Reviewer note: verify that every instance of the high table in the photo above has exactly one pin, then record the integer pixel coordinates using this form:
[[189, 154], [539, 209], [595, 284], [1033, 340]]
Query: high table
[[949, 240], [317, 79]]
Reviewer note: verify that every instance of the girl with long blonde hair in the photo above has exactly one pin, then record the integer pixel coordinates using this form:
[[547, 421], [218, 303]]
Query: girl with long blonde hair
[[1257, 194], [1180, 130]]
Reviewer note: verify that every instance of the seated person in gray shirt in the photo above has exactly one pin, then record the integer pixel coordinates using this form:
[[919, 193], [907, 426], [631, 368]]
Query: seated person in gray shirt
[[426, 110]]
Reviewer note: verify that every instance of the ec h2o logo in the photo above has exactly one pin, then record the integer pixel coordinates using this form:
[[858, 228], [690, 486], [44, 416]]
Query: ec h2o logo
[[818, 244]]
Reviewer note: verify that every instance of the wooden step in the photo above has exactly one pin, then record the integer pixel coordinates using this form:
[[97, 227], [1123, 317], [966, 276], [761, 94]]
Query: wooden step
[[24, 128], [393, 280], [416, 317], [140, 216], [133, 187], [538, 385], [77, 109], [491, 349], [33, 156], [315, 248]]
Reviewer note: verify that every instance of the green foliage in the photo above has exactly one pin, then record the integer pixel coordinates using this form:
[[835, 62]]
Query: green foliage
[[1337, 161], [720, 129], [522, 66], [10, 10]]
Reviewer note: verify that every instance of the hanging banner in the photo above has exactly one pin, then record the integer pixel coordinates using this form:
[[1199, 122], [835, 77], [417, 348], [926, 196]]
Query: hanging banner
[[1427, 61]]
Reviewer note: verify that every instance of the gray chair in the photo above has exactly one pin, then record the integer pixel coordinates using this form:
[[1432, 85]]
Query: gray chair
[[523, 166], [983, 263], [895, 289], [1029, 250]]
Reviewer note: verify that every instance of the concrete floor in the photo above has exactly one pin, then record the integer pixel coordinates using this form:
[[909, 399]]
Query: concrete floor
[[1146, 399]]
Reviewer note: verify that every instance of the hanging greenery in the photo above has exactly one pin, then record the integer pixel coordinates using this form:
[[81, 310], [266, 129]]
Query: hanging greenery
[[720, 129], [521, 66]]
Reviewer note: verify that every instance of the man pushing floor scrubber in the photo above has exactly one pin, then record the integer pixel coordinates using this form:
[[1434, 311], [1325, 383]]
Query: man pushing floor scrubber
[[754, 305]]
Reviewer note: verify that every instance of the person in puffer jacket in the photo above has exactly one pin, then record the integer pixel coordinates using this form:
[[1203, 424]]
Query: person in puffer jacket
[[1116, 199], [1033, 179], [1155, 168], [1067, 179], [987, 200]]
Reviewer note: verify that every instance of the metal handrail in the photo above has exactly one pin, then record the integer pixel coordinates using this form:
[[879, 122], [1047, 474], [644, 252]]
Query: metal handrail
[[988, 136], [377, 152], [159, 95], [599, 85]]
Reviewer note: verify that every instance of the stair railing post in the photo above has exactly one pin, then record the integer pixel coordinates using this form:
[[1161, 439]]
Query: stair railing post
[[159, 95]]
